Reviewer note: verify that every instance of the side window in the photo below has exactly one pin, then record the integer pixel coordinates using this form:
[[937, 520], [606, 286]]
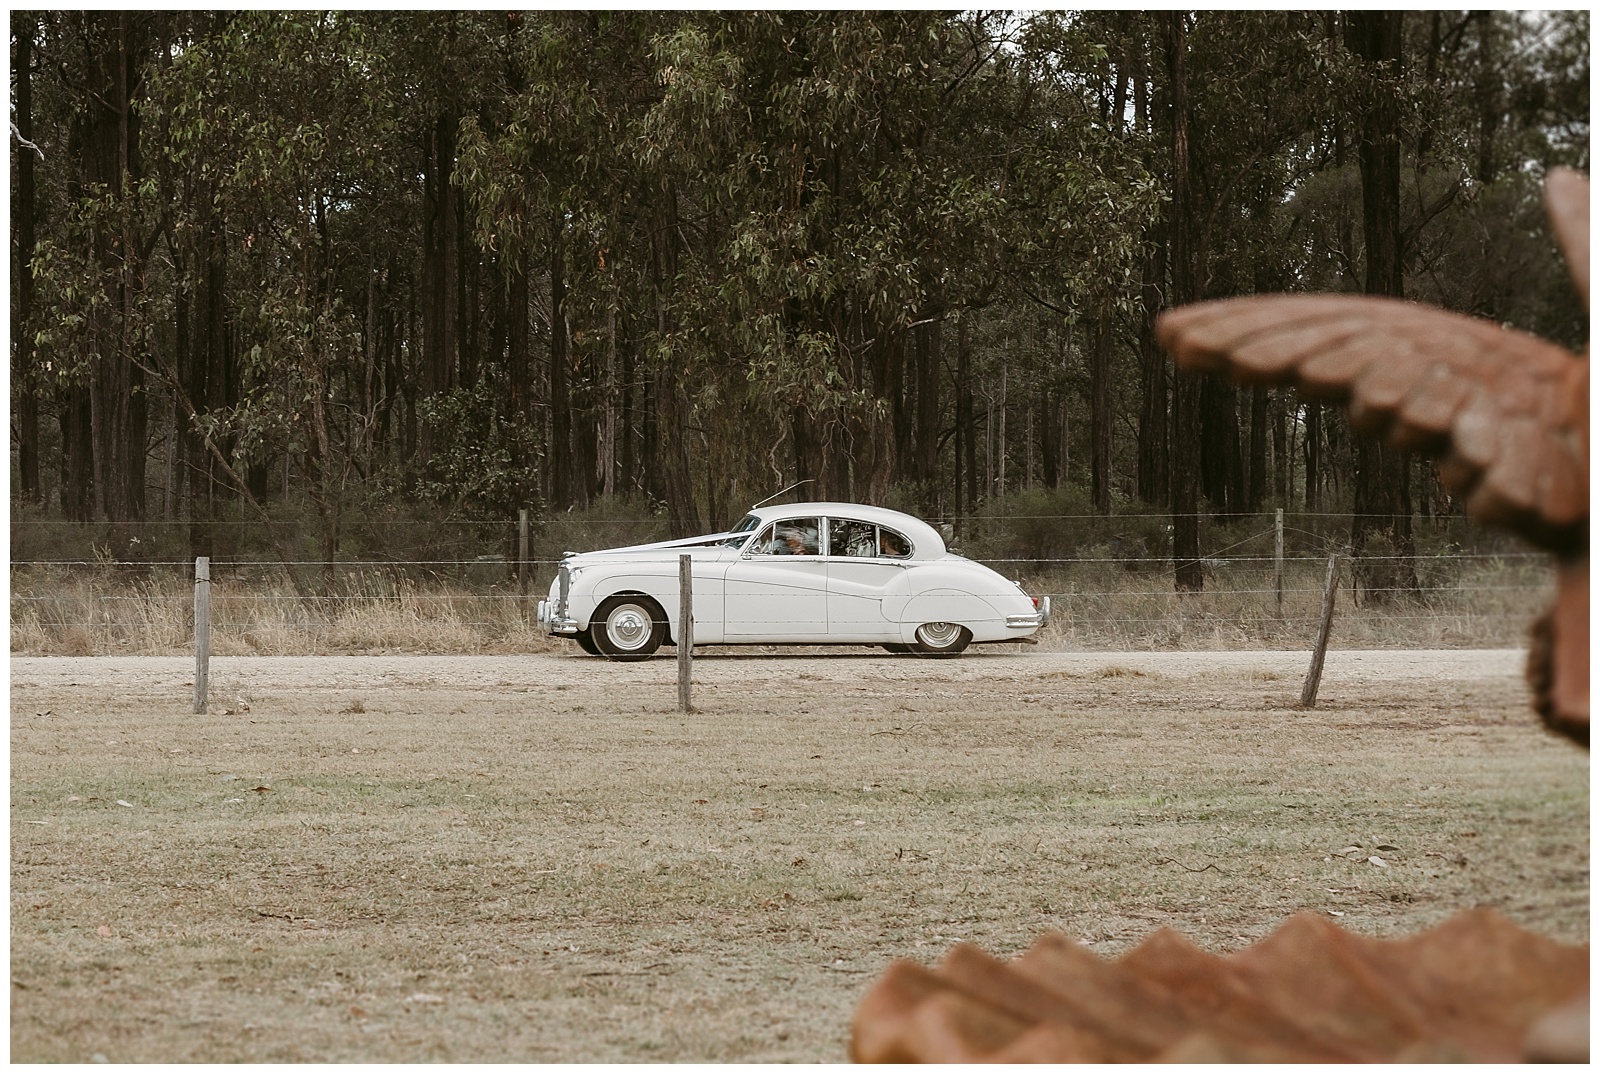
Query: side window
[[791, 537], [892, 544], [847, 537]]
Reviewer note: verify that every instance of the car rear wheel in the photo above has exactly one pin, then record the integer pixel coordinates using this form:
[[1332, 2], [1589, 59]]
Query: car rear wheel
[[585, 641], [628, 627], [942, 639]]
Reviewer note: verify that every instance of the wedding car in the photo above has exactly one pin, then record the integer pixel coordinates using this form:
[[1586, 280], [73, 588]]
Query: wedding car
[[794, 574]]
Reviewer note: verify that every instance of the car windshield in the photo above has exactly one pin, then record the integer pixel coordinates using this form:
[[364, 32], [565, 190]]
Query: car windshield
[[741, 532]]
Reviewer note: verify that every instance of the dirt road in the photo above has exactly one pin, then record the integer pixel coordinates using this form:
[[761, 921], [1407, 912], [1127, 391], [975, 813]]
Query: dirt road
[[720, 670]]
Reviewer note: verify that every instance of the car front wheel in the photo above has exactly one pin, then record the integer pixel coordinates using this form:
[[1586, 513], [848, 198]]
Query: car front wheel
[[585, 641], [942, 639], [628, 628]]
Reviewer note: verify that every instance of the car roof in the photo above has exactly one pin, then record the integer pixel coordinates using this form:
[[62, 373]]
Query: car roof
[[925, 540]]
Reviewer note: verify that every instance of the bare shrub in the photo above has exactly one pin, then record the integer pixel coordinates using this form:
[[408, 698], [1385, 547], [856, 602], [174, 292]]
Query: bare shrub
[[75, 641], [27, 634]]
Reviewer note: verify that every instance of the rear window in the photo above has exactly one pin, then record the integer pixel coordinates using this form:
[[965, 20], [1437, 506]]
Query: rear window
[[865, 540]]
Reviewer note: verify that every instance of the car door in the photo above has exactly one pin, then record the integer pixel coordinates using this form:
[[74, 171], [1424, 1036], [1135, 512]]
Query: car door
[[777, 590], [866, 580]]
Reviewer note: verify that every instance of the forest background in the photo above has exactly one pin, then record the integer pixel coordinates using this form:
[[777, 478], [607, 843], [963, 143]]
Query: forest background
[[333, 286]]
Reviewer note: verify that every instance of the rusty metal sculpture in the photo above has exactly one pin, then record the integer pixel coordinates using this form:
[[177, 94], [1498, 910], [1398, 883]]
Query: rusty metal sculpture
[[1468, 990], [1508, 414]]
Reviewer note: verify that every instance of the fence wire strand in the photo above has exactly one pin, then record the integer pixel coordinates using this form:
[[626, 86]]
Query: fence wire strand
[[452, 605]]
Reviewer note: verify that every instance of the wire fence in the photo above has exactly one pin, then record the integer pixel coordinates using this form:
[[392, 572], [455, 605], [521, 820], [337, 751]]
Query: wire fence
[[486, 603], [998, 533]]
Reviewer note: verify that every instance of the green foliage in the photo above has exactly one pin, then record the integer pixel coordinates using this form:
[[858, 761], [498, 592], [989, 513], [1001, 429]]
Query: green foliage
[[1040, 525], [472, 469]]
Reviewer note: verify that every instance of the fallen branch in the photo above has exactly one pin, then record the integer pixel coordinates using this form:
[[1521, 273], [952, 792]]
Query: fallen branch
[[627, 973]]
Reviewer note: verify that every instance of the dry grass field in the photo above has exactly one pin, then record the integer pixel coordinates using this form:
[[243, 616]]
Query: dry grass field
[[539, 858]]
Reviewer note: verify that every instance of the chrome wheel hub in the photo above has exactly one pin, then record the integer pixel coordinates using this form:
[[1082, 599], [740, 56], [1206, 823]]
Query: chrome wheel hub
[[628, 627]]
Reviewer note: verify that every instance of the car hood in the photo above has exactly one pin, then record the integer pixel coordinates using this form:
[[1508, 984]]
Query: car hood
[[655, 550]]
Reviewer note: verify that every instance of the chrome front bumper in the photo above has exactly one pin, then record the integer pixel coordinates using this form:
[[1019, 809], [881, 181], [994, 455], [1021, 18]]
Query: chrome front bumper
[[552, 614], [555, 624]]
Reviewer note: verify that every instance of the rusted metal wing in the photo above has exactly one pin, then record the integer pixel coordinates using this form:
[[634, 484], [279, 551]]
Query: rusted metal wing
[[1477, 988]]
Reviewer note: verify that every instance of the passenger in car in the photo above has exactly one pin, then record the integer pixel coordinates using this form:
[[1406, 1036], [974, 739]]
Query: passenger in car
[[851, 538]]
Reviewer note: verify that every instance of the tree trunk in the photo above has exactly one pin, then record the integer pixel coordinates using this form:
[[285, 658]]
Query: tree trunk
[[929, 340], [1313, 449], [1256, 493], [105, 139], [607, 461], [966, 416], [1282, 464], [668, 390], [558, 455], [880, 442], [441, 262], [1049, 434], [204, 367], [628, 479], [1382, 501], [1219, 445], [24, 387], [807, 448], [1000, 433], [519, 356], [1100, 411], [1187, 575], [1153, 476], [73, 414]]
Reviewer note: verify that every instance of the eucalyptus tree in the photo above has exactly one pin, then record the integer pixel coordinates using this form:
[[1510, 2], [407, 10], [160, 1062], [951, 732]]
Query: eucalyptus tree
[[1087, 167], [879, 175], [267, 192], [90, 271], [1229, 98], [556, 193]]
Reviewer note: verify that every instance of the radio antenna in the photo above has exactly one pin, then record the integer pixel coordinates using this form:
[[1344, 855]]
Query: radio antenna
[[775, 495]]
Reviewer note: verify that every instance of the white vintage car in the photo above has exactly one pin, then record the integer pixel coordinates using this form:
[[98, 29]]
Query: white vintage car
[[796, 574]]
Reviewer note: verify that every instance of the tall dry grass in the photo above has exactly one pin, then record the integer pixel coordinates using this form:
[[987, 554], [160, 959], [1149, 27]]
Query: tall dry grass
[[1465, 602], [1462, 602], [367, 611]]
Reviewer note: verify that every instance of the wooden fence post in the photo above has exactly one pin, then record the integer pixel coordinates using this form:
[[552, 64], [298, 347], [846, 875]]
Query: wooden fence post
[[685, 628], [1308, 692], [202, 631]]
